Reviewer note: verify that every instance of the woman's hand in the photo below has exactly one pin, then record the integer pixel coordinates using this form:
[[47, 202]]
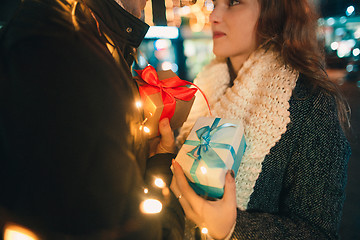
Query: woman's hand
[[166, 142], [217, 216]]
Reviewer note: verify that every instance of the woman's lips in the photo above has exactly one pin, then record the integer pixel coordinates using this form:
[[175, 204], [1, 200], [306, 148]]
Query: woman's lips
[[218, 34]]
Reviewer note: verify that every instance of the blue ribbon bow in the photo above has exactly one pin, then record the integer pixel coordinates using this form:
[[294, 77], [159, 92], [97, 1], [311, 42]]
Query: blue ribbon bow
[[204, 148]]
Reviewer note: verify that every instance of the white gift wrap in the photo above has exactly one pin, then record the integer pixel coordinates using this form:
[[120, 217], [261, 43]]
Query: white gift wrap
[[208, 180]]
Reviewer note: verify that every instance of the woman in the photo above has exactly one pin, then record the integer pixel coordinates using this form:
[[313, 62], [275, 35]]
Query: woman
[[269, 73]]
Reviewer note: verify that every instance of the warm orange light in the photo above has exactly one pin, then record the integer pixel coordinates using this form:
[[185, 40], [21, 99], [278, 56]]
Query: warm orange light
[[151, 206], [16, 232], [138, 104], [159, 183], [146, 129], [204, 230]]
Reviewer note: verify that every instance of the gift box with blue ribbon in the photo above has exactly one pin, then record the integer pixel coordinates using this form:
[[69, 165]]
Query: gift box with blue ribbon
[[213, 146]]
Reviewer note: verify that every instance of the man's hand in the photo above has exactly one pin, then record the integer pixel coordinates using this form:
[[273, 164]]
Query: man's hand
[[166, 142]]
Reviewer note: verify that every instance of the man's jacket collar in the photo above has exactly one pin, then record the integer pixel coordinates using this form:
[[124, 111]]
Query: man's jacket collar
[[123, 24]]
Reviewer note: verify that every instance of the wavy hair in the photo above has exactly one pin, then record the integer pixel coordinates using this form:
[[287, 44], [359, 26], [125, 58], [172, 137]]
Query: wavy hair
[[291, 27]]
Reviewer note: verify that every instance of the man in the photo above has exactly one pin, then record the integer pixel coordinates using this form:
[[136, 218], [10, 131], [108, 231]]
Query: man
[[73, 158]]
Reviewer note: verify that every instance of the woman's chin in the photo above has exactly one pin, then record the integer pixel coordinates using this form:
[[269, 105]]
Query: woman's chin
[[220, 54]]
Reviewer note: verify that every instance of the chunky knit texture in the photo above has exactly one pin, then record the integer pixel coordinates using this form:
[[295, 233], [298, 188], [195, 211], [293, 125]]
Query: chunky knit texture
[[298, 192], [301, 189], [260, 98]]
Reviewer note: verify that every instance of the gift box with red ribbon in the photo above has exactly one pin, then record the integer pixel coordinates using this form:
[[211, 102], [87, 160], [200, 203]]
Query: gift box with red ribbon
[[164, 95]]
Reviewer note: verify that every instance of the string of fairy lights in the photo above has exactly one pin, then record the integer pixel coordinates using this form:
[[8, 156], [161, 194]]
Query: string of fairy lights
[[150, 205], [153, 205]]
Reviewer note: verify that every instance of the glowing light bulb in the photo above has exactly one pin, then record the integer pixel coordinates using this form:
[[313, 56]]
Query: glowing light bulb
[[166, 65], [159, 183], [350, 10], [349, 68], [15, 232], [334, 45], [151, 206], [146, 129], [165, 191], [204, 230], [203, 170], [146, 190], [330, 21], [138, 104], [356, 52]]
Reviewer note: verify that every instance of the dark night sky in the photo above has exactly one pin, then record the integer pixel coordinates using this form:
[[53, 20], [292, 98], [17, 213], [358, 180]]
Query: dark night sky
[[337, 7], [6, 8]]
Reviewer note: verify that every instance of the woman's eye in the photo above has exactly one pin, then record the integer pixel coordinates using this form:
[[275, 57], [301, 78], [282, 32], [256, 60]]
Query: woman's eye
[[234, 2]]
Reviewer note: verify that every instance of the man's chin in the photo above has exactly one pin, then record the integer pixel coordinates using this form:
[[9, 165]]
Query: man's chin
[[136, 13], [134, 10]]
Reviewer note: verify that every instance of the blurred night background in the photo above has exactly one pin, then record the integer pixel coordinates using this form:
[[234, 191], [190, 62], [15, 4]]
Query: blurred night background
[[180, 39]]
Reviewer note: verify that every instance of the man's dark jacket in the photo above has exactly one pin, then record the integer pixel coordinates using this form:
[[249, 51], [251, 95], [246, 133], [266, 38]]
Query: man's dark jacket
[[72, 156]]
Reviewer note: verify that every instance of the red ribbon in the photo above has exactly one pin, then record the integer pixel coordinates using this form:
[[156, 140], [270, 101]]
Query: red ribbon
[[170, 89]]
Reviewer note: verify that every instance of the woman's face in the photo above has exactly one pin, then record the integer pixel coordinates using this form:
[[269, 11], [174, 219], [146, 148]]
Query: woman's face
[[233, 24]]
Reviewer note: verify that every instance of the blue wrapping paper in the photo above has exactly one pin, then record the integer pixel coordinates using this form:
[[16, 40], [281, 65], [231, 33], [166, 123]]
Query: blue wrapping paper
[[213, 147]]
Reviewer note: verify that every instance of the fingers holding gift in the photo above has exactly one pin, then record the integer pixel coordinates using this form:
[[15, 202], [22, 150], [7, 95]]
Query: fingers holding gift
[[217, 216], [174, 188], [229, 196], [228, 203], [189, 211], [187, 192], [167, 140]]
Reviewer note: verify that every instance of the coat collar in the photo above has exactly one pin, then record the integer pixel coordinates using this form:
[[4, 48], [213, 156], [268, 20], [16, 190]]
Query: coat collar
[[121, 23]]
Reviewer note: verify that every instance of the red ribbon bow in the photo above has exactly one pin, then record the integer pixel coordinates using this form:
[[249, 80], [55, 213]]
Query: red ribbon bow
[[170, 89]]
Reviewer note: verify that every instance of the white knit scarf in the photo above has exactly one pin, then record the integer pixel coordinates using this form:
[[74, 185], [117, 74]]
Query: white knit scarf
[[259, 97]]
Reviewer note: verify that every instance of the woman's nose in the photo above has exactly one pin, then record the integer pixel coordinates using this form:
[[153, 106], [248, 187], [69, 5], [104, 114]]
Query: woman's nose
[[215, 16]]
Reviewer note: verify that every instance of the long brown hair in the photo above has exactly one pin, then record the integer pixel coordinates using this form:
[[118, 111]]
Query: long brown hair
[[291, 27]]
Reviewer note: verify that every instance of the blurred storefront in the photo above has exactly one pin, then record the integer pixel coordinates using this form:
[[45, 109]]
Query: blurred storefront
[[184, 43], [180, 37], [342, 46], [183, 51]]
